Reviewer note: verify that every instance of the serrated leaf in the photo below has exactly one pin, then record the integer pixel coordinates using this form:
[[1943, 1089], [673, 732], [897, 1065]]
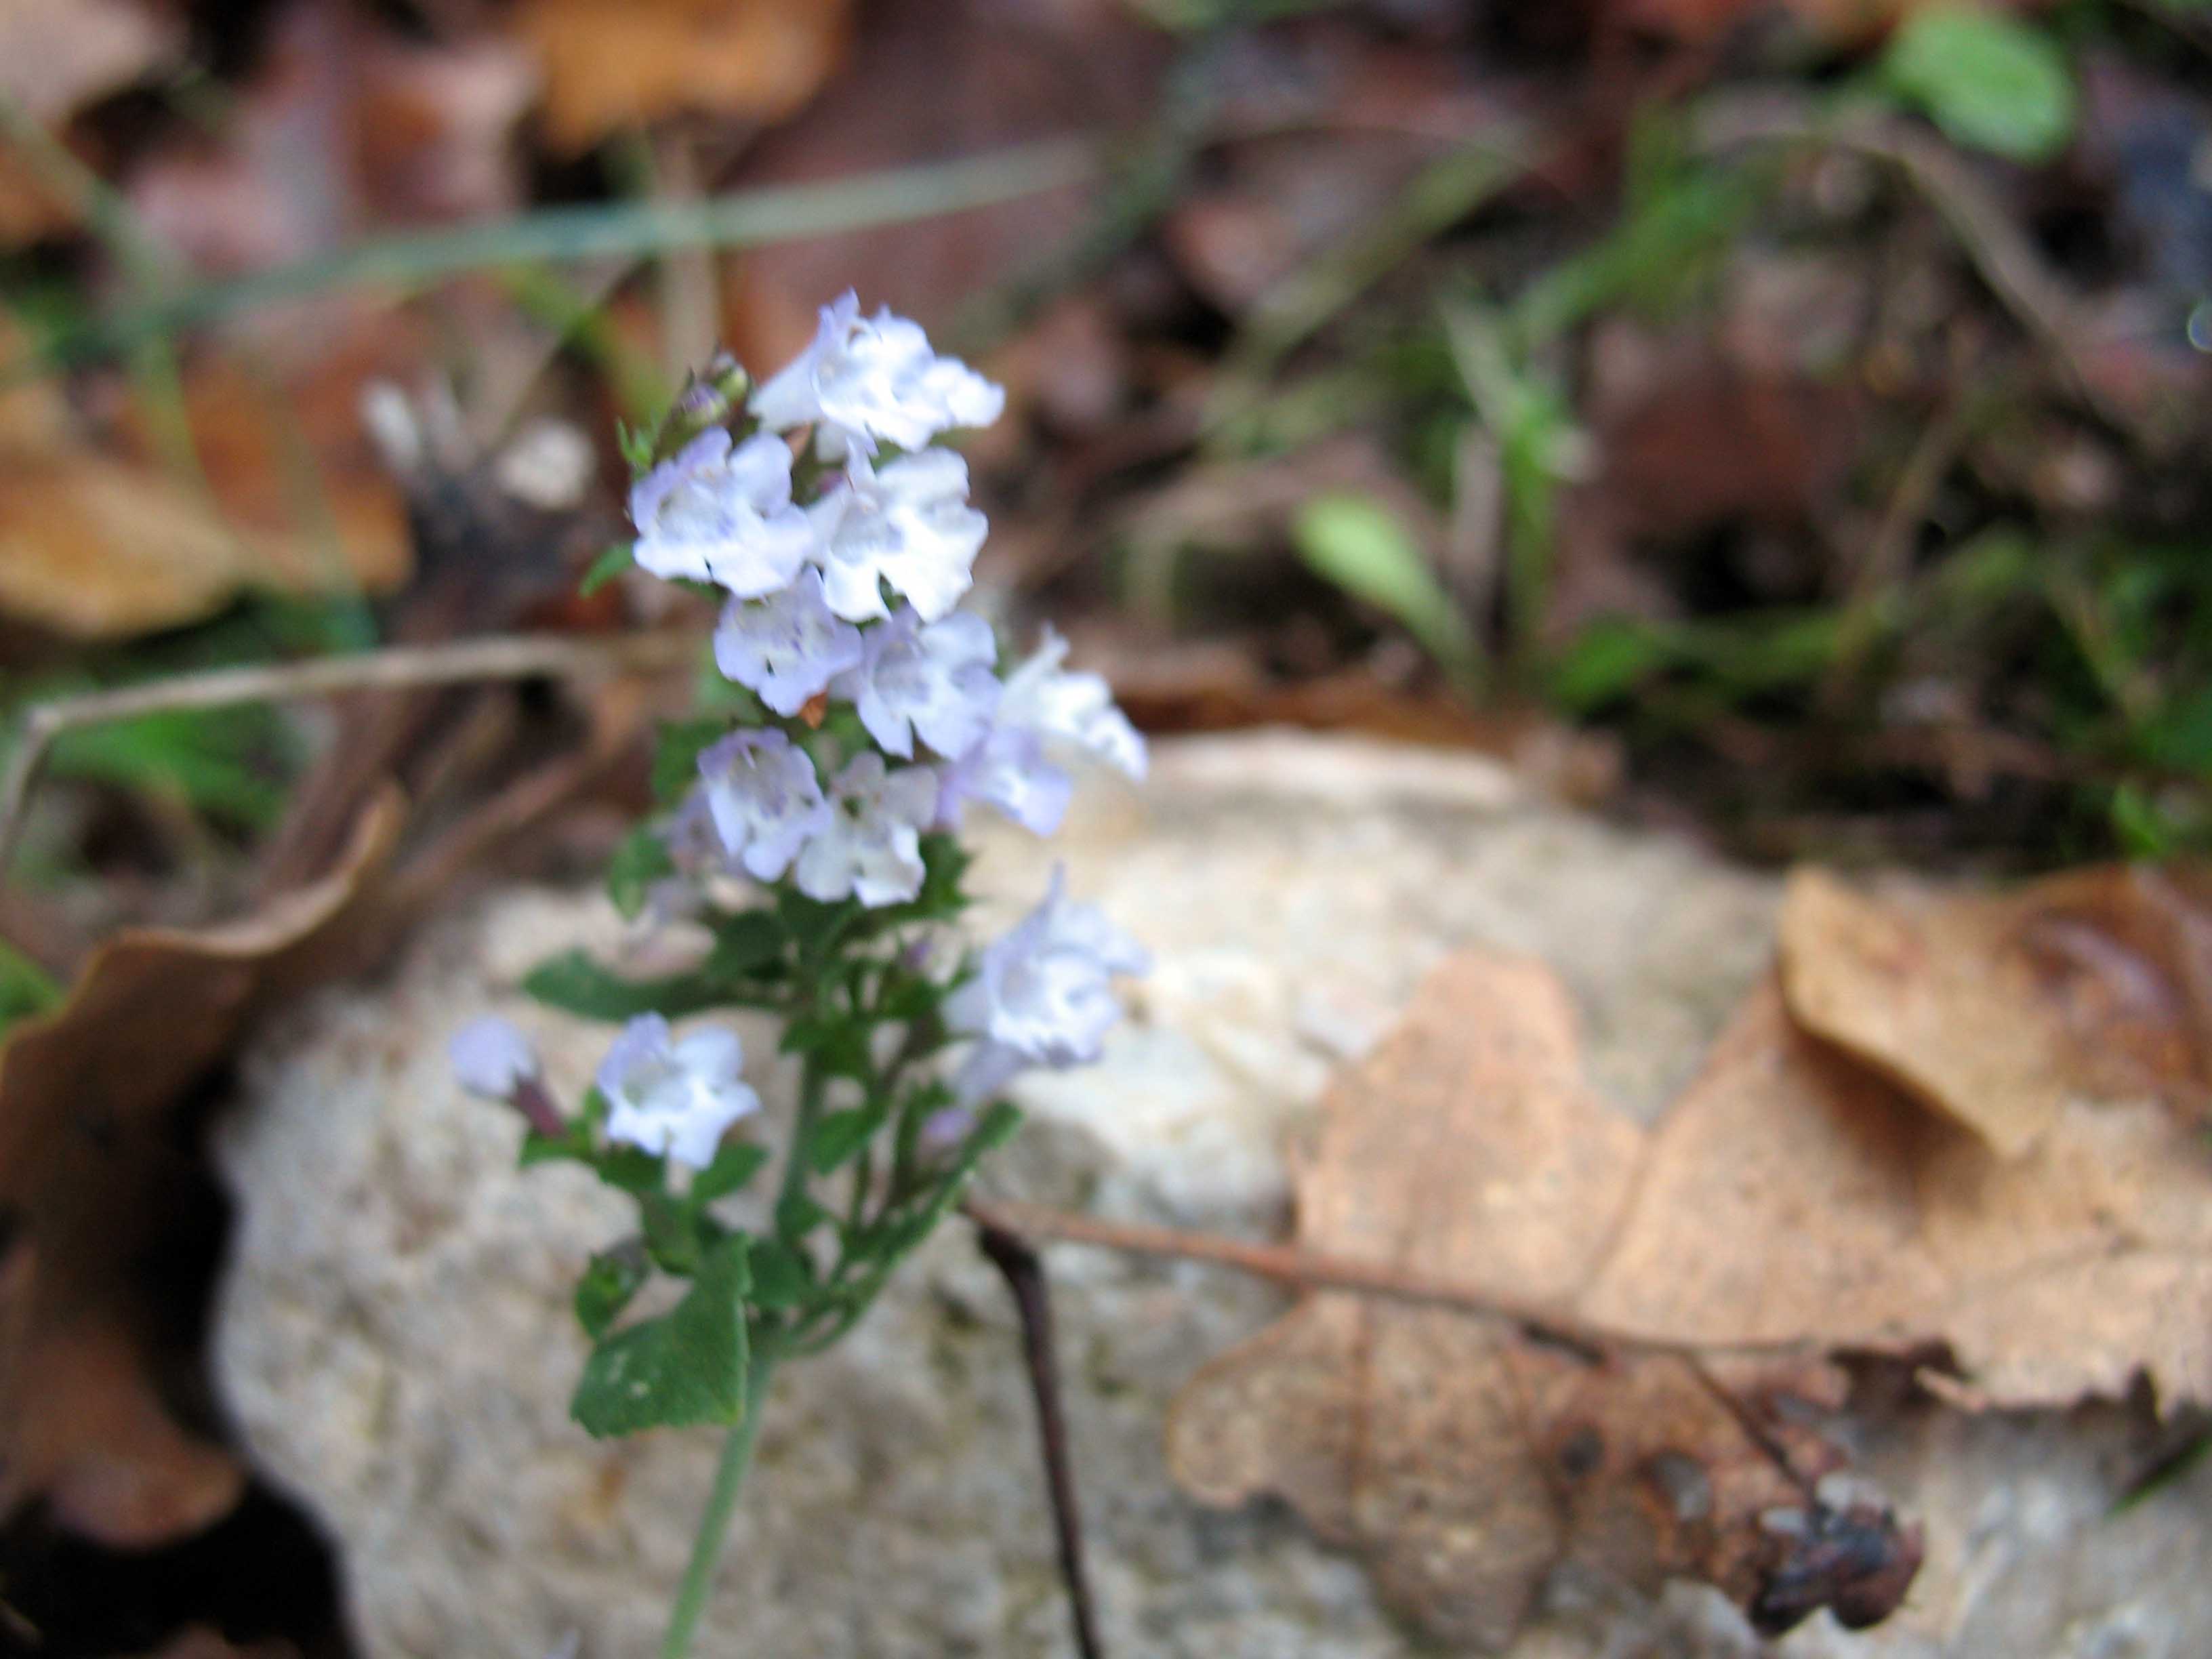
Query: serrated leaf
[[1359, 544], [608, 1283], [685, 1367], [734, 1164], [1990, 81]]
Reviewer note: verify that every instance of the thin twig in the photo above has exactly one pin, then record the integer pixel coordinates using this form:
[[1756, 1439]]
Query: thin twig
[[1310, 1270], [1010, 1253], [2000, 251], [503, 658]]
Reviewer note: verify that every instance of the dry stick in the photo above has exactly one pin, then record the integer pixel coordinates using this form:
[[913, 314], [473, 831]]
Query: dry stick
[[2001, 252], [1308, 1270], [1010, 1253], [505, 658]]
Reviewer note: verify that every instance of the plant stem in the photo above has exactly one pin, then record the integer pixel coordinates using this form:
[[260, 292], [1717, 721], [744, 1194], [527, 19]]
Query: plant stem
[[714, 1522]]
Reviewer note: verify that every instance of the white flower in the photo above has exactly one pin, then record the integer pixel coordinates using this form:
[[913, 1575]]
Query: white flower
[[764, 797], [870, 844], [864, 382], [676, 1098], [1041, 994], [1042, 705], [722, 514], [787, 646], [908, 524], [931, 679], [492, 1058]]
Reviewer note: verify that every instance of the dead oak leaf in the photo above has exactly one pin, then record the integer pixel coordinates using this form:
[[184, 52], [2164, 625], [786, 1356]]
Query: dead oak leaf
[[90, 1173], [609, 64], [1793, 1195], [1994, 1007], [1464, 1459]]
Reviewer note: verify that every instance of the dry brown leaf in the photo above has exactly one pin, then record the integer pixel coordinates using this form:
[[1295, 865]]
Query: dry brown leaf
[[1995, 1007], [1792, 1195], [56, 55], [613, 64], [106, 543], [90, 1172], [1465, 1459]]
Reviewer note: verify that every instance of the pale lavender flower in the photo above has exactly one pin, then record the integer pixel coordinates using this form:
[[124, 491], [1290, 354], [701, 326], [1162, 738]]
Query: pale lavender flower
[[934, 680], [492, 1058], [765, 800], [675, 1096], [719, 514], [1042, 994], [908, 524], [869, 845], [865, 381], [1008, 770], [1042, 705], [787, 646]]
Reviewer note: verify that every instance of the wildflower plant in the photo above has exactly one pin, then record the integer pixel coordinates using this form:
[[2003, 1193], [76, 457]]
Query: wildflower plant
[[807, 826]]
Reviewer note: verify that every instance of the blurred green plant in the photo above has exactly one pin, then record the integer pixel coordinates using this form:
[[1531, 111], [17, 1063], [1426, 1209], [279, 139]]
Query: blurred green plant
[[1357, 543], [1988, 80]]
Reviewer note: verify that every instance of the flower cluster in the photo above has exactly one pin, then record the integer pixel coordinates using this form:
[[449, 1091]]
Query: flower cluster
[[840, 534], [809, 837]]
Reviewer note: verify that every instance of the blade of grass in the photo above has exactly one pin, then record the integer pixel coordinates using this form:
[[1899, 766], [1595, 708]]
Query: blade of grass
[[748, 218]]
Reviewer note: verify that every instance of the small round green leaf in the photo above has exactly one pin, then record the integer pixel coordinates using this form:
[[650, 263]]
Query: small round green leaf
[[1988, 80]]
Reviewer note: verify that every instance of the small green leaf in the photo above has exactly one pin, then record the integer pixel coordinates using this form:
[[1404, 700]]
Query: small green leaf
[[686, 1367], [1988, 80], [613, 1277], [676, 755], [1358, 543], [798, 1215], [840, 1135], [782, 1277], [735, 1164], [836, 1043], [609, 565], [744, 945], [641, 861], [575, 984], [1606, 661], [630, 1169]]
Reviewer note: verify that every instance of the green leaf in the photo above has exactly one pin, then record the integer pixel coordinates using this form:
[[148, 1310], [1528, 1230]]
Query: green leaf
[[735, 1164], [613, 1277], [837, 1043], [1606, 661], [26, 988], [641, 861], [782, 1277], [609, 565], [676, 754], [1359, 544], [575, 984], [744, 945], [840, 1135], [798, 1215], [686, 1367], [1990, 81]]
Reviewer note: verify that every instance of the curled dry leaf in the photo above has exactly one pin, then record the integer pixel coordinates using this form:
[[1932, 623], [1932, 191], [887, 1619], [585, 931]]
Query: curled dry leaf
[[1468, 1459], [1995, 1007], [91, 1171], [611, 64]]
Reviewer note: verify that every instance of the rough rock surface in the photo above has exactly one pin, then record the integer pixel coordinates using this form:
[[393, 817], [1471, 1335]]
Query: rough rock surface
[[396, 1342]]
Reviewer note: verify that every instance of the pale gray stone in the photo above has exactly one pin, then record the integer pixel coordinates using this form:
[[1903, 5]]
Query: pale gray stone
[[395, 1340]]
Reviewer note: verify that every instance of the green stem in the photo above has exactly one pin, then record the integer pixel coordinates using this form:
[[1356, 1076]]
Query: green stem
[[801, 1164], [714, 1522]]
